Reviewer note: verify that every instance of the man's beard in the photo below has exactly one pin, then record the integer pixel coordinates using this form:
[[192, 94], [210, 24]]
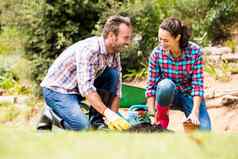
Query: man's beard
[[118, 48]]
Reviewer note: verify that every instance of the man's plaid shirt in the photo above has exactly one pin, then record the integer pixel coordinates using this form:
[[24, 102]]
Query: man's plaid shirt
[[185, 71], [75, 70]]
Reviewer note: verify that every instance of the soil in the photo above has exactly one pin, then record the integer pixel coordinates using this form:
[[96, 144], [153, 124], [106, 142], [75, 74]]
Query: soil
[[147, 128]]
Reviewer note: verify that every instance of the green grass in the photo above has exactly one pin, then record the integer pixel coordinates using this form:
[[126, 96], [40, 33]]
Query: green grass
[[23, 143]]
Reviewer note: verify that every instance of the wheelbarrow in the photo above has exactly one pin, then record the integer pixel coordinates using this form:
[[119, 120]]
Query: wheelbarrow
[[131, 95]]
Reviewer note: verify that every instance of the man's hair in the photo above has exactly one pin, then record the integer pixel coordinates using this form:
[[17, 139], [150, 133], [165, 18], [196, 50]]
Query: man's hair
[[113, 23]]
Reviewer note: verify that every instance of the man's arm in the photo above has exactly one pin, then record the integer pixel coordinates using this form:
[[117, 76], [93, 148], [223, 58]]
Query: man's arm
[[95, 100], [115, 104]]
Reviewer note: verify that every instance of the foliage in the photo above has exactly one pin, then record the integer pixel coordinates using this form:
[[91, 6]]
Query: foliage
[[134, 74], [231, 44], [10, 82], [11, 40], [13, 76], [224, 15], [221, 71], [8, 113], [7, 80]]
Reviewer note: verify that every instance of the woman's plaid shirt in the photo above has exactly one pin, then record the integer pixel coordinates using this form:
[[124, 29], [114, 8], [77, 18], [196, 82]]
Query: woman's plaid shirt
[[185, 71]]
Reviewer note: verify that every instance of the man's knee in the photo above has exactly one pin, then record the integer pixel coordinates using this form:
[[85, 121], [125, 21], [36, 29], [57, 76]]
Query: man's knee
[[114, 74], [76, 125]]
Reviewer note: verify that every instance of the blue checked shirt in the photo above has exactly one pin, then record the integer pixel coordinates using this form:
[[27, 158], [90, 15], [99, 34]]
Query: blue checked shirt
[[75, 70]]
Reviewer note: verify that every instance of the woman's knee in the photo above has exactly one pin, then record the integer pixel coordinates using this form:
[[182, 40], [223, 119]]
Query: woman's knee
[[165, 92], [167, 84]]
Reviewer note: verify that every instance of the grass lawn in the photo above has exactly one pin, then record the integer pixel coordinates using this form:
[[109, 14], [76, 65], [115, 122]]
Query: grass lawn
[[24, 143]]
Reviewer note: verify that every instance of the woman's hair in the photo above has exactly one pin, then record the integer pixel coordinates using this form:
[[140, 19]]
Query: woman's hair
[[112, 24], [175, 27]]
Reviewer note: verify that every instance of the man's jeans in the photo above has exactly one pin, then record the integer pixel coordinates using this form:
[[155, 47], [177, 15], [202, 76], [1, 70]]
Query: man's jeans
[[67, 106], [167, 95]]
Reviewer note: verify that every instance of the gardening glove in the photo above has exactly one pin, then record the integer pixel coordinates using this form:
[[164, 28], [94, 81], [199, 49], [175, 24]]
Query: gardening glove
[[114, 121]]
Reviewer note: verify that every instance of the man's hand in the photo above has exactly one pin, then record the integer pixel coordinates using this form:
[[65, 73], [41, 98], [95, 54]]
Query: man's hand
[[114, 121]]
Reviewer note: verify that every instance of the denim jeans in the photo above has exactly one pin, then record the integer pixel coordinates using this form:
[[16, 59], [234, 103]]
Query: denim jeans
[[167, 95], [67, 106]]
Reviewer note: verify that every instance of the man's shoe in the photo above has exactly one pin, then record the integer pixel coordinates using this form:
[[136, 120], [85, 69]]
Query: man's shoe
[[45, 122], [48, 119], [98, 125]]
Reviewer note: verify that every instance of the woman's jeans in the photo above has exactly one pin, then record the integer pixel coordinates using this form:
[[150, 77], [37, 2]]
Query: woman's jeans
[[167, 95], [67, 106]]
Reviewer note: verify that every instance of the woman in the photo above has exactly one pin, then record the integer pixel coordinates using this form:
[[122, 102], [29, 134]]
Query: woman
[[176, 76]]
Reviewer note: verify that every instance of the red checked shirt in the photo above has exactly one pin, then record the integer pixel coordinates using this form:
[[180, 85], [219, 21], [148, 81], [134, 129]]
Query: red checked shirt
[[185, 71], [75, 70]]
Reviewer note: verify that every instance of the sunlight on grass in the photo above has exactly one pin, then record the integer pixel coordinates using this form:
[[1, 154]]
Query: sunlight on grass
[[27, 143]]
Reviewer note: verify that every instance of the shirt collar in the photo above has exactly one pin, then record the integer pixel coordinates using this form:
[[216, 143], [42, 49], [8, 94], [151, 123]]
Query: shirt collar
[[185, 54], [102, 46]]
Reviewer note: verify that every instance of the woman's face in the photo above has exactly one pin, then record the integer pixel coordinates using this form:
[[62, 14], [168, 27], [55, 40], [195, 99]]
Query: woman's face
[[167, 41]]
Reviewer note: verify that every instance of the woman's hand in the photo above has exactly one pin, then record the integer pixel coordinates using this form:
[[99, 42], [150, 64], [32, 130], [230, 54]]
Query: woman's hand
[[151, 105], [193, 117]]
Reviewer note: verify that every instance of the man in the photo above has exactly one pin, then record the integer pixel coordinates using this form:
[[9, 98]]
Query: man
[[89, 68]]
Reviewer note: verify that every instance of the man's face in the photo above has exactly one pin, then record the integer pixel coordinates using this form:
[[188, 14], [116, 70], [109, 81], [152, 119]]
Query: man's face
[[123, 38], [167, 41]]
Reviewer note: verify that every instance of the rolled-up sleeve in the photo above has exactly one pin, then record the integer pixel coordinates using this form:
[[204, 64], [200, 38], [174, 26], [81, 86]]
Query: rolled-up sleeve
[[153, 74], [197, 76], [85, 71]]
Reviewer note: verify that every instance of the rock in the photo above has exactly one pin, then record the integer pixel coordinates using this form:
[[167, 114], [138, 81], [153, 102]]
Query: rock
[[229, 100], [7, 99], [230, 57], [214, 59], [209, 94], [21, 100], [217, 50]]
